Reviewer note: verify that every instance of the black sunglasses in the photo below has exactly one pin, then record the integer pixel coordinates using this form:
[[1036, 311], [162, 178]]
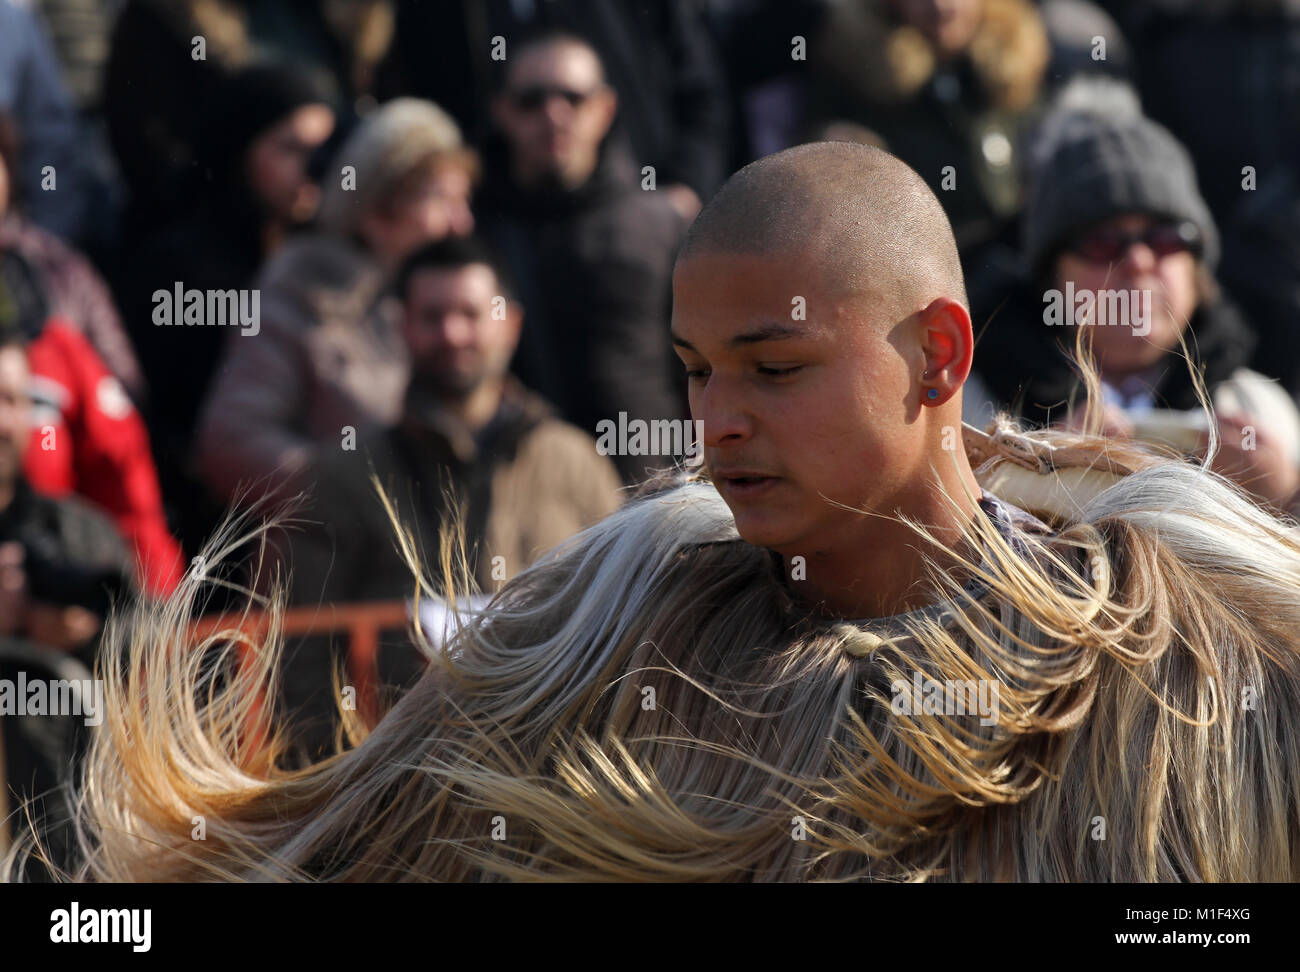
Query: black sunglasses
[[535, 97], [1164, 238]]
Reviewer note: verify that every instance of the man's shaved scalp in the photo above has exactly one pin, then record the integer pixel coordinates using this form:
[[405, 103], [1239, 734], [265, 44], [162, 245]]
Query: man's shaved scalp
[[859, 213]]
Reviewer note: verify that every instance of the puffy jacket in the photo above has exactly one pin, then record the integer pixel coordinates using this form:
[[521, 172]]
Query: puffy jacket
[[88, 439]]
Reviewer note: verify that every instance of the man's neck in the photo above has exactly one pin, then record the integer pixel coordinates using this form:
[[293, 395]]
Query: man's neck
[[882, 571]]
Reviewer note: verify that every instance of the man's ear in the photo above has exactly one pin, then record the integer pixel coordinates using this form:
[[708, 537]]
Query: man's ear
[[949, 348], [609, 106], [514, 324]]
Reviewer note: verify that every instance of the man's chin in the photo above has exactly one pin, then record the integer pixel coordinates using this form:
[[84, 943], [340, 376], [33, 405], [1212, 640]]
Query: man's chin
[[765, 531], [449, 383]]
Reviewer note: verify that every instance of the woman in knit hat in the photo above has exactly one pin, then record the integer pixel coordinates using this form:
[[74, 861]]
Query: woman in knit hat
[[1119, 253]]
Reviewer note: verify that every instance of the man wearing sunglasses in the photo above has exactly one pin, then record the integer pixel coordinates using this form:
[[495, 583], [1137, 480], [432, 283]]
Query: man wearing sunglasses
[[1119, 241], [590, 236]]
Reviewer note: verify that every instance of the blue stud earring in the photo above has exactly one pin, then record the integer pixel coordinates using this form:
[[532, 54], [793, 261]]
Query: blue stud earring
[[933, 393]]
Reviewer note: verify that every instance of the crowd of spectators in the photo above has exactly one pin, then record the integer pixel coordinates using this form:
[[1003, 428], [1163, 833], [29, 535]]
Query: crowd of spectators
[[440, 238]]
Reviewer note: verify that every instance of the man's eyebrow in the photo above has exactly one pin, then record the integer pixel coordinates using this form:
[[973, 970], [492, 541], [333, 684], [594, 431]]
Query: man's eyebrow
[[765, 332]]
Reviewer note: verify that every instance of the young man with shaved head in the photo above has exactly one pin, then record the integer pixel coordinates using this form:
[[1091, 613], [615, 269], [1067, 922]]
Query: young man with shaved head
[[826, 339], [845, 652]]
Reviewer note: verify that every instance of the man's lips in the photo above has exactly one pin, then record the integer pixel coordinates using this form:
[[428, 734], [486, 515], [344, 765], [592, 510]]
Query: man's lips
[[744, 483]]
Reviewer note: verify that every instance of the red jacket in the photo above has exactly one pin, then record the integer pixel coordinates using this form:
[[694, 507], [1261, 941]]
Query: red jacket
[[88, 439]]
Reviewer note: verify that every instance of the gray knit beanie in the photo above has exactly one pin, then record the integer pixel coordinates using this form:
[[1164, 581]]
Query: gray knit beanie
[[1099, 158]]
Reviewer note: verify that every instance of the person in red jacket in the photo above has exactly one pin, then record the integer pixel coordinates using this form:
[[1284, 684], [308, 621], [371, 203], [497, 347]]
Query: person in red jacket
[[88, 439]]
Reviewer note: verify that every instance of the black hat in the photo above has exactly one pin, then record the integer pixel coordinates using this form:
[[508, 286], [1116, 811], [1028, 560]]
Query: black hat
[[248, 102], [1092, 166]]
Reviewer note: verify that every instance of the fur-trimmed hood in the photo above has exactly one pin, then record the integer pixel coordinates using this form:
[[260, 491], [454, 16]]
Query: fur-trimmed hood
[[864, 48], [363, 30]]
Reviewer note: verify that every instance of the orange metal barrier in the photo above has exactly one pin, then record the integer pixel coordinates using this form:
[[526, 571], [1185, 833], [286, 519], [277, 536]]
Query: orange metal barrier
[[362, 621]]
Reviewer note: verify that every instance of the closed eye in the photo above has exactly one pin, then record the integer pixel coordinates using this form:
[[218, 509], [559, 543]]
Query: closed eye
[[701, 373]]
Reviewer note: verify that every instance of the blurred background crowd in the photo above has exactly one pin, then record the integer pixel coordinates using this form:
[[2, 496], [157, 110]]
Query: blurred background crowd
[[455, 223]]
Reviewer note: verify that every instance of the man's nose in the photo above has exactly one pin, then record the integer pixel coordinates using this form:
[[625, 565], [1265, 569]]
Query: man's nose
[[456, 331], [722, 410], [557, 110]]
